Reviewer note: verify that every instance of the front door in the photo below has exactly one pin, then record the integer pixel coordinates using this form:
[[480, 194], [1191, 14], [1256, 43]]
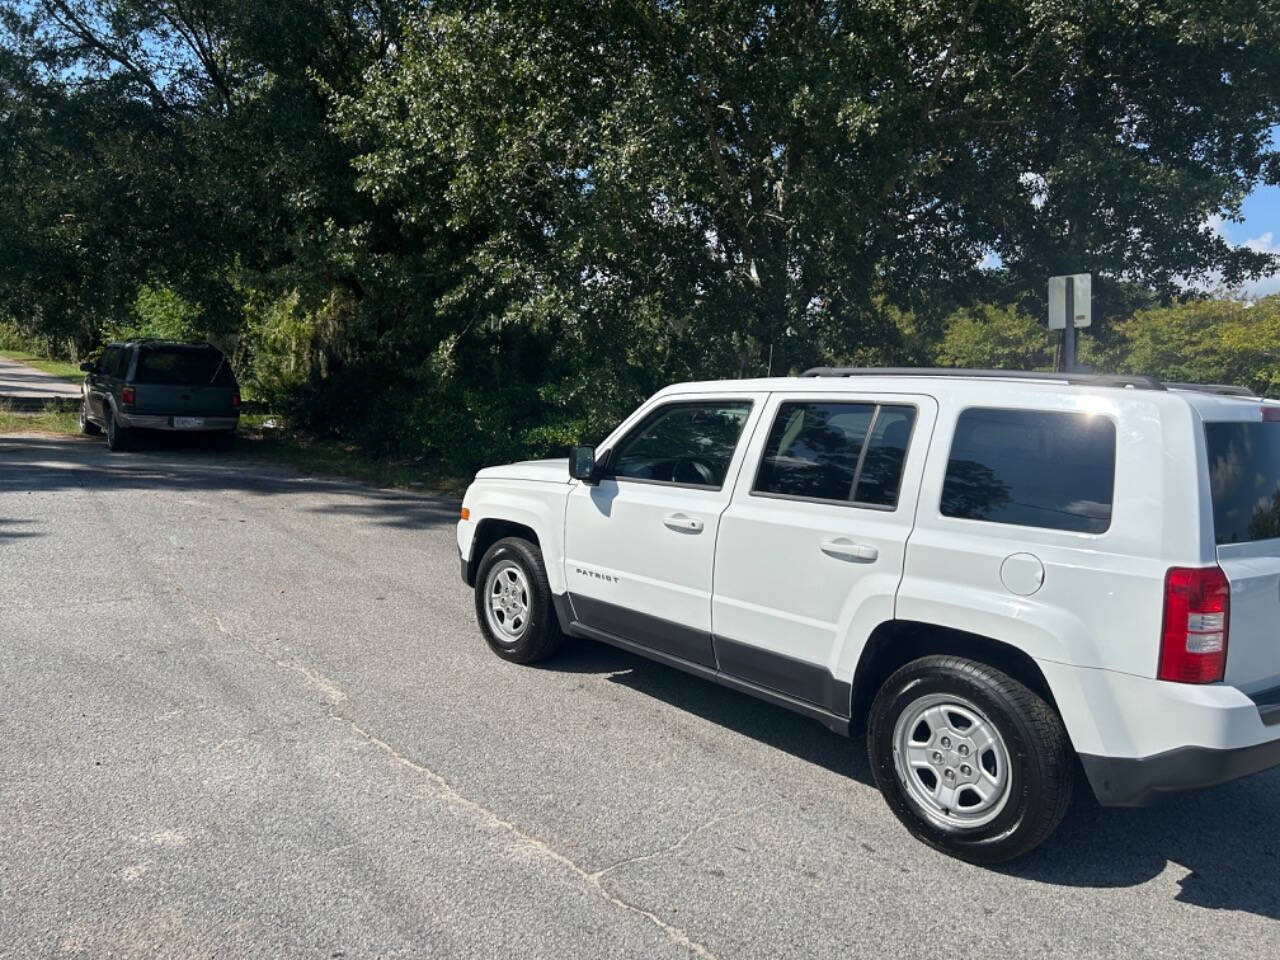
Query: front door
[[98, 383], [640, 544]]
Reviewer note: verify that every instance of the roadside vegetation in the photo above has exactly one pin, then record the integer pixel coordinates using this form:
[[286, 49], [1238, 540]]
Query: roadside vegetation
[[46, 421], [455, 233]]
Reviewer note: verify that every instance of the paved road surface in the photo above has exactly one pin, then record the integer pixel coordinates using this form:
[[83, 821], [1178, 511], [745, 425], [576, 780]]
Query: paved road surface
[[249, 715], [20, 380]]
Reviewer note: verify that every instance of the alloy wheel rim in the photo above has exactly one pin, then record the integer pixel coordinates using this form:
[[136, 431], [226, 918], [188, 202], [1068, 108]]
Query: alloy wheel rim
[[952, 762], [507, 601]]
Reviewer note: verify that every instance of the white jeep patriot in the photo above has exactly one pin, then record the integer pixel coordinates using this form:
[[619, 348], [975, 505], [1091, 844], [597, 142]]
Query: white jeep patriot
[[991, 573]]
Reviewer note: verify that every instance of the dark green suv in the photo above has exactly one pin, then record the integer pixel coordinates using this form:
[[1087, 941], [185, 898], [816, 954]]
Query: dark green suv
[[159, 385]]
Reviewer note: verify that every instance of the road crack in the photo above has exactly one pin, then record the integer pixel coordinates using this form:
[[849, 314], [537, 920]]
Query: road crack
[[490, 818], [593, 880], [673, 847]]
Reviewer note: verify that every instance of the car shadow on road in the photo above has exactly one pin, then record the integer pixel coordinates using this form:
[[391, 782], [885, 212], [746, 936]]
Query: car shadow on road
[[1227, 837], [799, 736], [30, 463]]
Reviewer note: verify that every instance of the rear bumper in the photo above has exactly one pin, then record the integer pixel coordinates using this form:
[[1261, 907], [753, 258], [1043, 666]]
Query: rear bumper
[[1130, 782], [143, 421], [1138, 737]]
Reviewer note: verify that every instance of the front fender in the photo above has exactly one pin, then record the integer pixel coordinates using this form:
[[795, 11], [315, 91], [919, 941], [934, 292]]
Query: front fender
[[538, 506]]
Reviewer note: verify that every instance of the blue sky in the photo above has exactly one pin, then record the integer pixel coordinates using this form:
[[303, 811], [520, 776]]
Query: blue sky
[[1260, 228]]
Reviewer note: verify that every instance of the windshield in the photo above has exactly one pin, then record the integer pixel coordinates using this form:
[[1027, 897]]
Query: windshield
[[1244, 478], [185, 366]]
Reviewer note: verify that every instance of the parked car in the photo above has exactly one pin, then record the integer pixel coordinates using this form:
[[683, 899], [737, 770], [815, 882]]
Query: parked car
[[1001, 578], [159, 385]]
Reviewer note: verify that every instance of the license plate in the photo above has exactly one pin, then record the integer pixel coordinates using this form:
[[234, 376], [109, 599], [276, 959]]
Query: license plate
[[188, 423]]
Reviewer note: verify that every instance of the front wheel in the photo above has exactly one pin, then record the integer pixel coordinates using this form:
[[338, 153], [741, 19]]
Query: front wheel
[[87, 426], [513, 602], [973, 762]]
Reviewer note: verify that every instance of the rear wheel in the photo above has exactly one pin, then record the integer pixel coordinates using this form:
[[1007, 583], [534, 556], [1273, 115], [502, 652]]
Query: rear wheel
[[87, 426], [513, 602], [118, 437], [973, 762]]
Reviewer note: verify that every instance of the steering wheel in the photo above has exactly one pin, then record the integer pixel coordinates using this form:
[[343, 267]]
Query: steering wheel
[[693, 471]]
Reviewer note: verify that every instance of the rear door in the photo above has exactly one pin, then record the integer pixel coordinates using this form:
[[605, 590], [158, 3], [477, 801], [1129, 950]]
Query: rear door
[[811, 548], [183, 381], [1244, 486], [640, 544]]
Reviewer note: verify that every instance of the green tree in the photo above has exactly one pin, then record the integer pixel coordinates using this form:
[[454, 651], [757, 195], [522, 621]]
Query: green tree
[[997, 338], [1203, 341]]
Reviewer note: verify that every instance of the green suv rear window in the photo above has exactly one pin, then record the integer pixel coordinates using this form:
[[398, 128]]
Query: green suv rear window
[[188, 367]]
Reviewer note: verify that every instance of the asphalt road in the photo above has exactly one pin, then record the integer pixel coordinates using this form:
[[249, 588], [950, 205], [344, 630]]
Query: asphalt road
[[244, 714], [20, 380]]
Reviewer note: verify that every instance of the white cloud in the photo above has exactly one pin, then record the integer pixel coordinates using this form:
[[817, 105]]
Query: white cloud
[[1263, 243]]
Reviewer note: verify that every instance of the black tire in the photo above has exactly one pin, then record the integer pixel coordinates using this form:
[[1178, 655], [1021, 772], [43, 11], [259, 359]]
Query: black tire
[[118, 437], [87, 426], [539, 632], [1040, 765], [223, 440]]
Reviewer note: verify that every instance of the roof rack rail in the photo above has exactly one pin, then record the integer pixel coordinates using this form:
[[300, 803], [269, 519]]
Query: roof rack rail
[[1132, 381], [1222, 389]]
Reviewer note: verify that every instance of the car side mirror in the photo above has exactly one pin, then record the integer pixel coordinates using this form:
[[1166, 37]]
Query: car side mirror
[[87, 367], [582, 463]]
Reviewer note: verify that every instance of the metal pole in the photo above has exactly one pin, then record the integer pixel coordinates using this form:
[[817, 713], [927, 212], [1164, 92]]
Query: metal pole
[[1069, 331]]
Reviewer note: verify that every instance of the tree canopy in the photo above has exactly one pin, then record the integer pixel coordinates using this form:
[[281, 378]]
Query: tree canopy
[[473, 229]]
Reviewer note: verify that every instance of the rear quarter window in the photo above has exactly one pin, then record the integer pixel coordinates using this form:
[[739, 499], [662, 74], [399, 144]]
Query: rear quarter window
[[1032, 468]]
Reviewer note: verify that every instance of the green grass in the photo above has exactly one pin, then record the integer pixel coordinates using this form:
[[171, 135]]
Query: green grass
[[50, 421], [59, 368]]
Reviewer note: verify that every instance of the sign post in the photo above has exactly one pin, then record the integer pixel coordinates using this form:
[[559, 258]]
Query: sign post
[[1070, 307]]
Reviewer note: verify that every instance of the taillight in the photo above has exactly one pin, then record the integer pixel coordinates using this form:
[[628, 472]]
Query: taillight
[[1193, 642], [128, 396], [235, 399]]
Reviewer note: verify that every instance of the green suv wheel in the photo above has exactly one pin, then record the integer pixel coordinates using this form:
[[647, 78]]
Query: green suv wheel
[[118, 437]]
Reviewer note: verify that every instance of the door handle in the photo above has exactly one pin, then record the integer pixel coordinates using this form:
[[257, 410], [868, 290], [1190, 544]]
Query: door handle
[[678, 521], [848, 550]]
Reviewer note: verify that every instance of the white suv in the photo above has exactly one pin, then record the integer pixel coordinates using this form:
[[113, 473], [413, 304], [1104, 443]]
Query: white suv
[[993, 574]]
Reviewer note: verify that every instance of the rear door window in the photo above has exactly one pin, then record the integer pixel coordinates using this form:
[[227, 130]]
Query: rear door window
[[120, 366], [1244, 480], [189, 366], [836, 451], [1032, 468]]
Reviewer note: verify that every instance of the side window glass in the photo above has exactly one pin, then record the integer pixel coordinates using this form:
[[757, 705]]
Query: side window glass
[[122, 363], [881, 475], [1032, 468], [107, 362], [846, 452], [686, 443], [813, 450]]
